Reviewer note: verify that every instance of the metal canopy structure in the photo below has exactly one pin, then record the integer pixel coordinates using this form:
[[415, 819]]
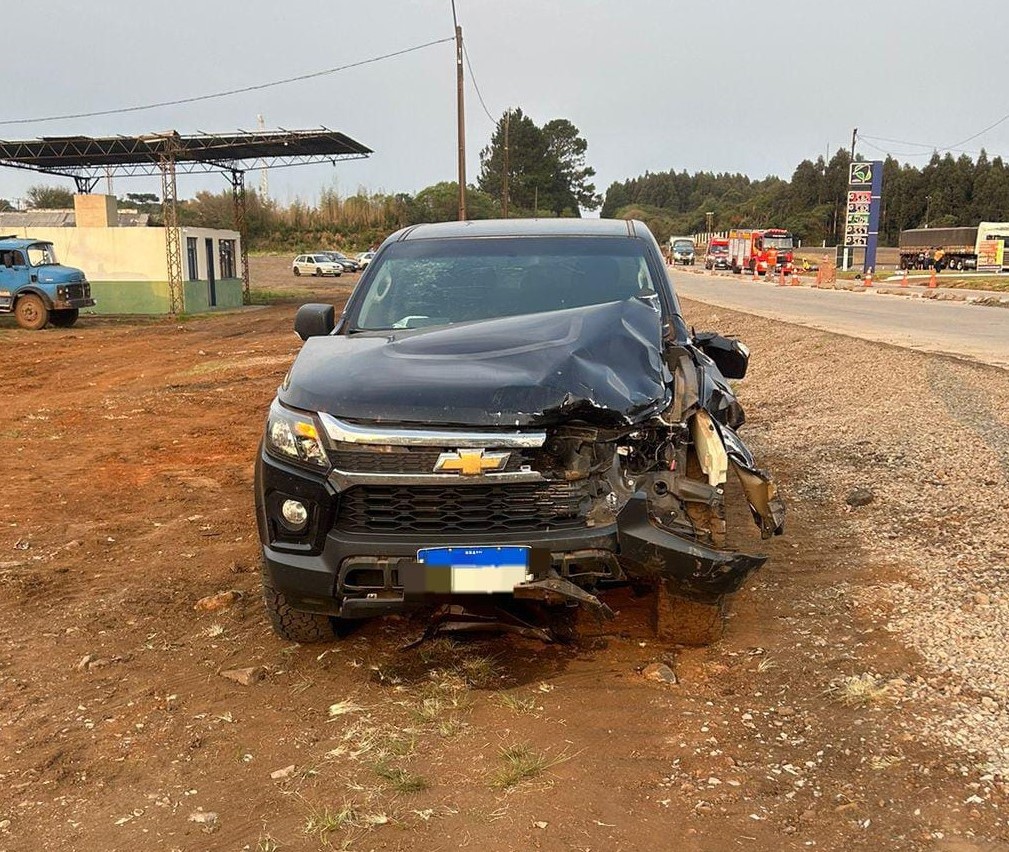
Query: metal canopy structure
[[87, 159]]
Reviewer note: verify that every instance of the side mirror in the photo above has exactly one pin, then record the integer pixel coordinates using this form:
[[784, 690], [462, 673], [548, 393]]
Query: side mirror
[[730, 356], [314, 321]]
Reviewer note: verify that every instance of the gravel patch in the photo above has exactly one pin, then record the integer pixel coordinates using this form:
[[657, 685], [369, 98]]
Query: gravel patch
[[928, 437]]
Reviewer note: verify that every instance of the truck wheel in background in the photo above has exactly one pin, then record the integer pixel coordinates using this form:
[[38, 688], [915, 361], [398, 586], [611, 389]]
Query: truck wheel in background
[[64, 318], [31, 312], [291, 624]]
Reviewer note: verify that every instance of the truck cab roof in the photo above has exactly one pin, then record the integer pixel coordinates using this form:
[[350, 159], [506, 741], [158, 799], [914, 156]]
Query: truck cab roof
[[14, 242]]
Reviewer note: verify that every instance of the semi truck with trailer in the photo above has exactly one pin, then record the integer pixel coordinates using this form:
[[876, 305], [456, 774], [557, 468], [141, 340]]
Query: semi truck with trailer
[[960, 248]]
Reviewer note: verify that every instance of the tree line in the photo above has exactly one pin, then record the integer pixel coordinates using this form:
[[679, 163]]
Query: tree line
[[946, 191], [541, 170]]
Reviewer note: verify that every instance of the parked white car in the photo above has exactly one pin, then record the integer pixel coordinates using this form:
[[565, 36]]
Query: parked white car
[[316, 264], [364, 258]]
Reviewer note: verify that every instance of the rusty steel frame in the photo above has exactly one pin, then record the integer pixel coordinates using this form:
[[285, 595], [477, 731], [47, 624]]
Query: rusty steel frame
[[239, 198], [86, 160], [173, 240]]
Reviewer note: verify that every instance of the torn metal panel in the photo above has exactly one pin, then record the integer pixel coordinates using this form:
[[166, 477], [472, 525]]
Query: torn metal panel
[[693, 569], [761, 493]]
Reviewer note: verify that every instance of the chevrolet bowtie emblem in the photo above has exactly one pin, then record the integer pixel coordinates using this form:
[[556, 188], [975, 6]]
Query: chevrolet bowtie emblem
[[470, 462]]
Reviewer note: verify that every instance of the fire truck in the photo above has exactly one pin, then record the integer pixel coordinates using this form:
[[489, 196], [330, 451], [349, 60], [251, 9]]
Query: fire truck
[[759, 251]]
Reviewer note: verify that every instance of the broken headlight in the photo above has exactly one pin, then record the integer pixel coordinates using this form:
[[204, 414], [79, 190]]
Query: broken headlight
[[294, 436]]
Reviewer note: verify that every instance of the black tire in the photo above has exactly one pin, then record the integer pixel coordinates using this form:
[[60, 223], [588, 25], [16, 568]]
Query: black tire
[[293, 625], [681, 621], [318, 272], [297, 271], [31, 312], [64, 318]]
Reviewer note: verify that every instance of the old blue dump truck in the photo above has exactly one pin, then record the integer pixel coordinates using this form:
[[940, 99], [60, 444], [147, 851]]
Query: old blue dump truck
[[36, 288]]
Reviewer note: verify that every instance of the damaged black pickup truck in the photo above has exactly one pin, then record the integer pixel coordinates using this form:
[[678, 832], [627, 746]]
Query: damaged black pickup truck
[[510, 414]]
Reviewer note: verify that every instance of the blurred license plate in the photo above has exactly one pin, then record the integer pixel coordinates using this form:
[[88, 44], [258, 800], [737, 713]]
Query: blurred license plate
[[474, 570]]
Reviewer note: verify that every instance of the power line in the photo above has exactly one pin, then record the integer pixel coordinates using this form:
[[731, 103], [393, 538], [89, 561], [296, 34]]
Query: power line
[[229, 92], [981, 132], [864, 140], [472, 77], [896, 141], [931, 147]]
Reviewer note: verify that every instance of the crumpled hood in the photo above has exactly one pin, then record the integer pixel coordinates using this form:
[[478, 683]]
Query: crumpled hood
[[601, 364]]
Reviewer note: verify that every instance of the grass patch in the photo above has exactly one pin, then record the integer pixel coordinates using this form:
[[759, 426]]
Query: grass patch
[[266, 297], [517, 703], [436, 707], [321, 823], [402, 780], [364, 737], [450, 726], [478, 671], [521, 763], [860, 690]]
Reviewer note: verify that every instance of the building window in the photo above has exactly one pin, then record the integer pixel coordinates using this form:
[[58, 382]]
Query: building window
[[194, 269], [227, 252]]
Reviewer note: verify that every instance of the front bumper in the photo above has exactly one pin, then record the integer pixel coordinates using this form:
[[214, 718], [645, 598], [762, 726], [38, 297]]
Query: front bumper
[[70, 304], [352, 575]]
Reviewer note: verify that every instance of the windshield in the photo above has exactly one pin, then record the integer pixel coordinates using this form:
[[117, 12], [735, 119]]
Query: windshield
[[683, 245], [440, 282], [42, 254], [778, 242], [719, 250]]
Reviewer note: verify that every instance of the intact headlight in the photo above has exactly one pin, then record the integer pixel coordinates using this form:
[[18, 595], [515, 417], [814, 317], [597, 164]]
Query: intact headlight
[[294, 436]]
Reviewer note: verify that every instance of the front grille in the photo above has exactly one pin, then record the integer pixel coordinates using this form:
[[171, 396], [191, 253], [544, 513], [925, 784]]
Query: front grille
[[75, 291], [406, 460], [470, 509]]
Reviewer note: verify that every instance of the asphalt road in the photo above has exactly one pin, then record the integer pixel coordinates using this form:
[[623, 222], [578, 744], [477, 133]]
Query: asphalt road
[[953, 328]]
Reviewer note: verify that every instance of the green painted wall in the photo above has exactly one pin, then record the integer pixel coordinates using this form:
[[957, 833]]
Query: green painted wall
[[229, 293], [151, 297], [130, 297], [197, 295]]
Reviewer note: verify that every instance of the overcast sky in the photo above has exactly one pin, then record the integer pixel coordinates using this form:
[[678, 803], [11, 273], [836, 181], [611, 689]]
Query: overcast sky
[[733, 86]]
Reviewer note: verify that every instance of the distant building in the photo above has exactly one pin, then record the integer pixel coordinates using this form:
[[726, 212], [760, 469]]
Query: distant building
[[126, 260]]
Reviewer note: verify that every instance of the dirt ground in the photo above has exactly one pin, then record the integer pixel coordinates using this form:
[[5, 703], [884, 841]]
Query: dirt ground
[[820, 721]]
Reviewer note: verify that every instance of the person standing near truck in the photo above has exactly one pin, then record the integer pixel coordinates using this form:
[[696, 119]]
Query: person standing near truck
[[937, 259]]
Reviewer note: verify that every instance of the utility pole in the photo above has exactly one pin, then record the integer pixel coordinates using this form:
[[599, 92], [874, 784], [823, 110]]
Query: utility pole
[[504, 171], [854, 136], [460, 115]]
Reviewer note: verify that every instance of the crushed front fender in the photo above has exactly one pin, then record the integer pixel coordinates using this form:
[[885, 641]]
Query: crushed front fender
[[693, 570], [761, 493]]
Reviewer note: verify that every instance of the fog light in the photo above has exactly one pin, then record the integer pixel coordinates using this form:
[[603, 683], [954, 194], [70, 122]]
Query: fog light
[[295, 514]]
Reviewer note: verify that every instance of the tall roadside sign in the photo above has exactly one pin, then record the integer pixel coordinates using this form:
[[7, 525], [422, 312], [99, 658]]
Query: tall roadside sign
[[861, 227]]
